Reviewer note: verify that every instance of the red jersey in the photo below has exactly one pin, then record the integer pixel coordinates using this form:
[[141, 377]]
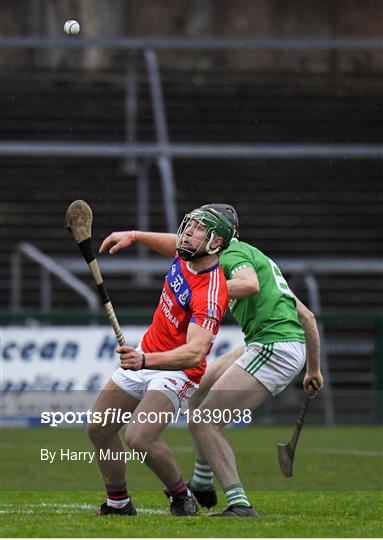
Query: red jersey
[[187, 296]]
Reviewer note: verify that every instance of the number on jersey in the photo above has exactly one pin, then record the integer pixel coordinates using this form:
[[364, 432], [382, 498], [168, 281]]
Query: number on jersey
[[280, 280]]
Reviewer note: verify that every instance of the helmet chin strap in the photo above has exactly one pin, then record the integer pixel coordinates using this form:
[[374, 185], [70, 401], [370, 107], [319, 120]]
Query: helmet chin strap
[[207, 250], [210, 251]]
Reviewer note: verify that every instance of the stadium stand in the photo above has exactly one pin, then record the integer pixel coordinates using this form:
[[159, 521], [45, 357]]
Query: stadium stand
[[288, 208]]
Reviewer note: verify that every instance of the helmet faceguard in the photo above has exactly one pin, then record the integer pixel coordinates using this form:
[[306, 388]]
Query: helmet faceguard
[[228, 211], [190, 241]]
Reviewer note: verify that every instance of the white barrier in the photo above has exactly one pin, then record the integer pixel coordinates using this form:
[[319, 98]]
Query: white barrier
[[53, 368]]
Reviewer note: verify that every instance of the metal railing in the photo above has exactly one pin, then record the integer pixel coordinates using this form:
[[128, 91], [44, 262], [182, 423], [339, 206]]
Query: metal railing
[[195, 44], [161, 158], [48, 267], [192, 150], [163, 150]]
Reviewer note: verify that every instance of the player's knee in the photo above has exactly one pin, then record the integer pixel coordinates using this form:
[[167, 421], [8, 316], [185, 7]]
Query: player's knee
[[198, 427], [96, 432], [136, 441]]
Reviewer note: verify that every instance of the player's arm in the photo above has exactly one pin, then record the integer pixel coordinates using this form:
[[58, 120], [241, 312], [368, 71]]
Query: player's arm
[[162, 243], [243, 282], [198, 343], [313, 375]]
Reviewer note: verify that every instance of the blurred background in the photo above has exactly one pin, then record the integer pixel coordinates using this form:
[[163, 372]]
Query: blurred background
[[157, 107]]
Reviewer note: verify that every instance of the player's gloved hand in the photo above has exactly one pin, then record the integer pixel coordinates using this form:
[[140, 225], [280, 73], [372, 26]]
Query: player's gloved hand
[[313, 383], [130, 358], [117, 241]]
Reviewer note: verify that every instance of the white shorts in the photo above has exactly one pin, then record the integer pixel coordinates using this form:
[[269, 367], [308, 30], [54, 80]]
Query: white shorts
[[174, 384], [274, 365]]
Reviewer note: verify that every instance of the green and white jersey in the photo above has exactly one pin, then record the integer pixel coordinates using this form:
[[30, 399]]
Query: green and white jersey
[[271, 315]]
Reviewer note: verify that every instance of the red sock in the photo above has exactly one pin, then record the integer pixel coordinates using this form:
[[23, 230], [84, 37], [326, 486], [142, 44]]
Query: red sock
[[177, 489], [117, 495]]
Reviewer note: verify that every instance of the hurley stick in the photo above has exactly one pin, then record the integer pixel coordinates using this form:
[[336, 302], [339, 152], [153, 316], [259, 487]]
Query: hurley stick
[[78, 221], [286, 451]]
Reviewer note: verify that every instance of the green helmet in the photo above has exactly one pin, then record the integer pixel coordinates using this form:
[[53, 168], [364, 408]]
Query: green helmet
[[215, 224], [228, 211]]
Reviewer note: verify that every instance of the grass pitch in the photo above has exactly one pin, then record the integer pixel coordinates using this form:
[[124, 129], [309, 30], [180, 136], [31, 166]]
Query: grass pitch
[[336, 489]]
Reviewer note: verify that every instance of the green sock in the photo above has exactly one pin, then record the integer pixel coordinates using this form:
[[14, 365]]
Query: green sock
[[235, 495], [203, 476]]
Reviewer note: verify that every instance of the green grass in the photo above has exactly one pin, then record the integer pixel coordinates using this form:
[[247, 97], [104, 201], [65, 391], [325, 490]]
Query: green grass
[[336, 490]]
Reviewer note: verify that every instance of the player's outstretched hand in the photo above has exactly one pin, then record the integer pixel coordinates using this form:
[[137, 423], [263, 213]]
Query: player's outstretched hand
[[116, 241], [313, 384], [130, 358]]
